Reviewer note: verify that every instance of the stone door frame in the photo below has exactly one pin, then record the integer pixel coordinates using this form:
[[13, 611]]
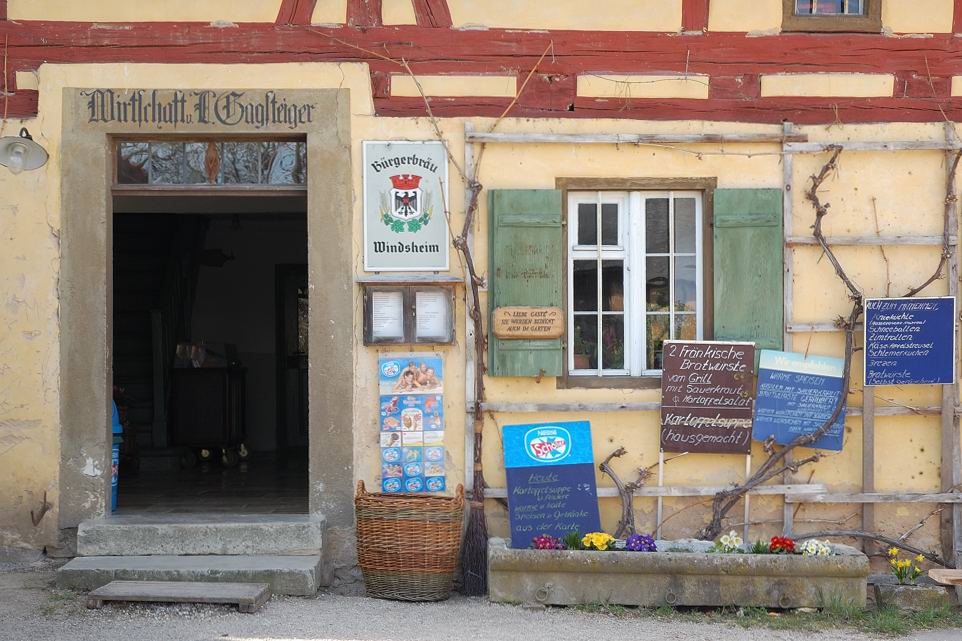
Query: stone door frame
[[85, 292]]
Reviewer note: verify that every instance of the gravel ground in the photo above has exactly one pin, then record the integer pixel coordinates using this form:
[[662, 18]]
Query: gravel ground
[[31, 608]]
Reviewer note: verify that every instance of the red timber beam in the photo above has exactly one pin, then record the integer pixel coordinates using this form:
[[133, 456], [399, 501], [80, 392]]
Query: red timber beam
[[364, 13], [732, 61], [3, 9], [432, 13], [694, 15], [957, 17], [295, 12]]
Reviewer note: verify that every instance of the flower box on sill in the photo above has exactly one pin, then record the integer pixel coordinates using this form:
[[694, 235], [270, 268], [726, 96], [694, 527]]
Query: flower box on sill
[[681, 573]]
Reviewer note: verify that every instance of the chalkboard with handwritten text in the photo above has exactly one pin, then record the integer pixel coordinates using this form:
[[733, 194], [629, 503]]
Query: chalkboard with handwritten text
[[707, 396], [910, 341], [551, 480], [796, 395]]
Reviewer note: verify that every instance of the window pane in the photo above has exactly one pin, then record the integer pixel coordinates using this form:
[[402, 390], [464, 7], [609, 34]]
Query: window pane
[[657, 287], [686, 327], [657, 334], [585, 285], [195, 171], [612, 285], [240, 163], [828, 7], [609, 224], [585, 342], [587, 224], [282, 164], [685, 283], [685, 225], [132, 163], [613, 341], [656, 225], [166, 162]]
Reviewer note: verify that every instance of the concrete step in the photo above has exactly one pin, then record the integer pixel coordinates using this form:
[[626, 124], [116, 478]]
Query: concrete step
[[295, 575], [196, 534]]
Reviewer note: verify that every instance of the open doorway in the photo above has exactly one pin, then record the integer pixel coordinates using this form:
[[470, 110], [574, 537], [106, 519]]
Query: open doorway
[[209, 312]]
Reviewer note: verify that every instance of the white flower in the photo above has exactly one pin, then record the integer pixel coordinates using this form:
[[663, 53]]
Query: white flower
[[737, 541], [726, 540]]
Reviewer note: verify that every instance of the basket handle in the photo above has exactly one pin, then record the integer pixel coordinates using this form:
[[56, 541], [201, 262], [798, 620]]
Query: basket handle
[[360, 488]]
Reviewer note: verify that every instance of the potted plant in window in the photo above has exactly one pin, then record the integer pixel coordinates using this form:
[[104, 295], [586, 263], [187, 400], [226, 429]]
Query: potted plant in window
[[582, 350]]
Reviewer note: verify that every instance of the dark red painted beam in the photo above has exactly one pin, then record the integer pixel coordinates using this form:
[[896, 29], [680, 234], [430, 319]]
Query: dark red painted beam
[[492, 51], [733, 61], [364, 13], [295, 12], [957, 17], [694, 15], [3, 9], [432, 13]]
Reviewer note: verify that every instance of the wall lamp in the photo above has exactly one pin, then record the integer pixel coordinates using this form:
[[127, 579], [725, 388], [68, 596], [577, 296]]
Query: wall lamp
[[21, 153]]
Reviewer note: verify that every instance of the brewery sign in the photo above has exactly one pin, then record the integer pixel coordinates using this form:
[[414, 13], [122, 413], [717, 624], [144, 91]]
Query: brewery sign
[[405, 192]]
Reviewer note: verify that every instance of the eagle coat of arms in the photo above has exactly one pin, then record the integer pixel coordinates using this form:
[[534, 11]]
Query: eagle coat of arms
[[404, 208]]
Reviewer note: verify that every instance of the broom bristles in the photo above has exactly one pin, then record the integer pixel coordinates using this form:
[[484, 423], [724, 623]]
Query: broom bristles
[[474, 554], [474, 551]]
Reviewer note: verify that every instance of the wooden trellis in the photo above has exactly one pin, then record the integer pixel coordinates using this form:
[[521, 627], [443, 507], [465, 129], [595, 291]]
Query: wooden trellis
[[792, 143]]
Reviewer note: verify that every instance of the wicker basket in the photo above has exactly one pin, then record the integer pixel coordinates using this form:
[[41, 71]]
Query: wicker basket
[[408, 544]]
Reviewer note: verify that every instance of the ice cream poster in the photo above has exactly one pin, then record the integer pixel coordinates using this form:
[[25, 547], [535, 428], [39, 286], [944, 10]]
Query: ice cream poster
[[411, 415]]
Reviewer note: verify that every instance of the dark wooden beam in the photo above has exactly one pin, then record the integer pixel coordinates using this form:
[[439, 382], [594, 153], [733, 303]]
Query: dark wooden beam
[[957, 17], [364, 13], [432, 13], [295, 12], [694, 15]]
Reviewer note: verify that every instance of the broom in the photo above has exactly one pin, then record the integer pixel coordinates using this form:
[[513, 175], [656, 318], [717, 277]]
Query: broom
[[474, 551]]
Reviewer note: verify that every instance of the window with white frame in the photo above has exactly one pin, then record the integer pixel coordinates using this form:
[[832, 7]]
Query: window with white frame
[[634, 278]]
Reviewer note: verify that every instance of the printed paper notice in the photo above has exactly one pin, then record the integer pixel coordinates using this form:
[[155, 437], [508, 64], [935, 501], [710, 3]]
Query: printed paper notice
[[387, 315], [431, 309]]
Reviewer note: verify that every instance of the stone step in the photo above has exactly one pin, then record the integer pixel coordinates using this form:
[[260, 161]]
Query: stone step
[[298, 575], [197, 534]]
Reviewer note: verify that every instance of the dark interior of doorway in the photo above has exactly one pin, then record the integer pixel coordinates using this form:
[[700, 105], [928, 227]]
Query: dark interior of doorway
[[210, 353]]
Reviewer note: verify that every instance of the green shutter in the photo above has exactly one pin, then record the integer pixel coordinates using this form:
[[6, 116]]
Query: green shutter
[[526, 263], [748, 266]]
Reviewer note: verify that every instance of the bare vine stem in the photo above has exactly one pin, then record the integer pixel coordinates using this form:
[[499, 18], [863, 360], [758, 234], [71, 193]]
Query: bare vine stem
[[951, 197]]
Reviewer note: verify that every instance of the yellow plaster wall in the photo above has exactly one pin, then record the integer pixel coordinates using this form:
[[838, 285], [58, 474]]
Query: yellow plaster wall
[[156, 10], [917, 16], [498, 86], [643, 86], [745, 15], [907, 188], [329, 12], [613, 15], [398, 12], [862, 85]]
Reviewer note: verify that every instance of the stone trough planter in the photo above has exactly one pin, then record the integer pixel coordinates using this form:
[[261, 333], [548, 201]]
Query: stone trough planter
[[691, 577]]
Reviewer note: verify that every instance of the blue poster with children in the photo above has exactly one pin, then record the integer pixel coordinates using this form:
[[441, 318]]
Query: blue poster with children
[[551, 480], [411, 415]]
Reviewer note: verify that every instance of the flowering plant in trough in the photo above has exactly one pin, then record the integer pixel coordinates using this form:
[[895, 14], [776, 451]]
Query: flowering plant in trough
[[814, 547], [640, 543], [904, 570], [781, 545], [547, 542], [729, 543], [598, 541]]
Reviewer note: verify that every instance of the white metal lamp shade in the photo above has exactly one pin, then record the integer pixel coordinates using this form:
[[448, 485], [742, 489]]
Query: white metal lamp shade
[[21, 153]]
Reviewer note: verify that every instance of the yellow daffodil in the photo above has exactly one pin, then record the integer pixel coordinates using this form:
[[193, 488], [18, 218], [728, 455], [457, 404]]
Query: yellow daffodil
[[893, 551], [919, 558]]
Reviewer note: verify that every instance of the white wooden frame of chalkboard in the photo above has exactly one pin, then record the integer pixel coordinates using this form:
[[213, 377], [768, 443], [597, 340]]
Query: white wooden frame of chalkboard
[[955, 347], [792, 142]]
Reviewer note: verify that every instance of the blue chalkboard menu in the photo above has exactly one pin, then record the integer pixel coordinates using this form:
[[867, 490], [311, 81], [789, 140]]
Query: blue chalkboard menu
[[796, 395], [909, 341], [551, 480]]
